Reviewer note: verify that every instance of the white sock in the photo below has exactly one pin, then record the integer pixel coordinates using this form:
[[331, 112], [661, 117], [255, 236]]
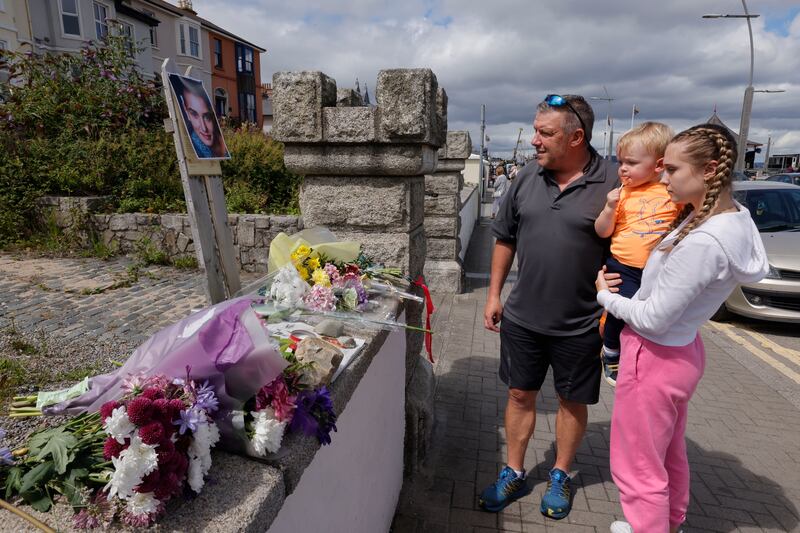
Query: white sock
[[609, 352], [520, 474]]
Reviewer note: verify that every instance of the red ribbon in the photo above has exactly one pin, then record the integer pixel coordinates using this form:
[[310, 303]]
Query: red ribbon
[[429, 309]]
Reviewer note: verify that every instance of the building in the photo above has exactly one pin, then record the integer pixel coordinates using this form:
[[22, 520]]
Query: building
[[752, 146], [235, 75], [157, 30], [781, 162]]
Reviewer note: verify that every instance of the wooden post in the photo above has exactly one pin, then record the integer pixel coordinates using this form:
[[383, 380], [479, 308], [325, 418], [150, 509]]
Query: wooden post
[[205, 202]]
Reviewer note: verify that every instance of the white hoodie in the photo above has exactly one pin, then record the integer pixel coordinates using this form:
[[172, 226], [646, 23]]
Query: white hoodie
[[684, 285]]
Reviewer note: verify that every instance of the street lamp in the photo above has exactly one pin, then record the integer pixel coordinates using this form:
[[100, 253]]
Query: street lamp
[[747, 106]]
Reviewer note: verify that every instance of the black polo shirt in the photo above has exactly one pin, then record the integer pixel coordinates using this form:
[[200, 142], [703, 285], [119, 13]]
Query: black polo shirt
[[558, 251]]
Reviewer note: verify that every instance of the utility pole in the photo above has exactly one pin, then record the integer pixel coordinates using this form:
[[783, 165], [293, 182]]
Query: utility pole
[[481, 170], [516, 147], [766, 155], [609, 136]]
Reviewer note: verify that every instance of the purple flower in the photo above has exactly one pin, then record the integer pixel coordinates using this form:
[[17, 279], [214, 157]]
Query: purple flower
[[314, 415], [5, 457], [189, 420]]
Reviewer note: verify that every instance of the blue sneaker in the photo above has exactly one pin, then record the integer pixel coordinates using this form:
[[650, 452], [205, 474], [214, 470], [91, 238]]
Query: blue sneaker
[[555, 502], [505, 490], [610, 367]]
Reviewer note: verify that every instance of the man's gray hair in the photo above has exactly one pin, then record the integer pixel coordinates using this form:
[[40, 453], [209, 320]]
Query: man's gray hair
[[571, 122]]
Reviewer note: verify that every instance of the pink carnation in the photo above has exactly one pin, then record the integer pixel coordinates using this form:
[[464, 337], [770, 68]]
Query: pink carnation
[[140, 411], [153, 393], [332, 272], [276, 395], [320, 298]]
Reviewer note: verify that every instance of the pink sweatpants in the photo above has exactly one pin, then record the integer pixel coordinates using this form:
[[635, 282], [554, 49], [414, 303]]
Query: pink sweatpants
[[648, 426]]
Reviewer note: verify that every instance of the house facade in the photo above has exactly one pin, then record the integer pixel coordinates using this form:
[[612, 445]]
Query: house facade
[[15, 24], [235, 76]]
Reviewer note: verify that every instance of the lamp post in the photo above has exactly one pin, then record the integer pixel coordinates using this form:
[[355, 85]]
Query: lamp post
[[747, 106]]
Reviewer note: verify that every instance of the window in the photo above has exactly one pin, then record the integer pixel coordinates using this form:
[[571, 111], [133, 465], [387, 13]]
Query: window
[[153, 32], [220, 102], [192, 34], [244, 59], [101, 21], [251, 108], [194, 42], [217, 53], [70, 19], [126, 30]]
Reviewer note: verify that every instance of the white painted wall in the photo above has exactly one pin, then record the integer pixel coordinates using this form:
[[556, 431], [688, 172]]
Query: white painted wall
[[468, 216], [354, 484]]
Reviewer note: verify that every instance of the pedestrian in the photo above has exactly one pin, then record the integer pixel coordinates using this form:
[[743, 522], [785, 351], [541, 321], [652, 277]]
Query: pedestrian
[[550, 319], [500, 187], [713, 245], [636, 216]]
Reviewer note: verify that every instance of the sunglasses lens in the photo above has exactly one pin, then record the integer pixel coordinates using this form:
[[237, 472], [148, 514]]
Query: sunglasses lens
[[554, 100]]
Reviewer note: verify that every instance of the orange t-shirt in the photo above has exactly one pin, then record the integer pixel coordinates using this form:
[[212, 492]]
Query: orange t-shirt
[[643, 215]]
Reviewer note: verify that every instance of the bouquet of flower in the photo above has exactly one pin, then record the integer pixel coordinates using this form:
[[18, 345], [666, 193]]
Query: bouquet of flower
[[127, 460], [289, 403]]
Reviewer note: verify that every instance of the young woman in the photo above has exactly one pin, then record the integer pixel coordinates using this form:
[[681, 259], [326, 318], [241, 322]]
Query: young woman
[[712, 247]]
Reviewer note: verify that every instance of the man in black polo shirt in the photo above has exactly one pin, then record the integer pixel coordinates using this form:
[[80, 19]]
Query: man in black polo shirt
[[551, 316]]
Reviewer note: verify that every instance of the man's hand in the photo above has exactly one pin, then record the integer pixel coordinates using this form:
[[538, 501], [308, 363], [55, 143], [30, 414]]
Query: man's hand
[[607, 281], [492, 313], [612, 198]]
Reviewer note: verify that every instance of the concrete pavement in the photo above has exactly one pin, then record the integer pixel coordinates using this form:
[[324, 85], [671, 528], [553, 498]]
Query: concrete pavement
[[742, 437]]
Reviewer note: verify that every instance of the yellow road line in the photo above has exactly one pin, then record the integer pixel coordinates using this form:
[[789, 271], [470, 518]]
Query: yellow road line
[[771, 361], [788, 353]]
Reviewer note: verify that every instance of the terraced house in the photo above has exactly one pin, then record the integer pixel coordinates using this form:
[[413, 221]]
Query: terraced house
[[157, 30]]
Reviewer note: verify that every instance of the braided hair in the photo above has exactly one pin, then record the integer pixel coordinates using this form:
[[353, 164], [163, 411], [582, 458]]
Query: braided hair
[[704, 143]]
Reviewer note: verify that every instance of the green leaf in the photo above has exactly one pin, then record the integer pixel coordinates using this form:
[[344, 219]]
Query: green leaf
[[13, 481], [39, 500], [36, 477], [59, 445], [73, 485]]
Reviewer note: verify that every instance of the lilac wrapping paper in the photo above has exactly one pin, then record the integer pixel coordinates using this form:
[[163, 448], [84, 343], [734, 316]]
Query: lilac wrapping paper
[[224, 344]]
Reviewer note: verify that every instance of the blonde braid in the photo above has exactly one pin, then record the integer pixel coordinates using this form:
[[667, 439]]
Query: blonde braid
[[705, 143]]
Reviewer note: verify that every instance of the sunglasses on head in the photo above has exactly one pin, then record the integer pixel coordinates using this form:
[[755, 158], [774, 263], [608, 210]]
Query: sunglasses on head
[[556, 100]]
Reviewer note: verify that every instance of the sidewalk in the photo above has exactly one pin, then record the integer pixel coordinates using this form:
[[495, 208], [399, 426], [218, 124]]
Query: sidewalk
[[742, 439]]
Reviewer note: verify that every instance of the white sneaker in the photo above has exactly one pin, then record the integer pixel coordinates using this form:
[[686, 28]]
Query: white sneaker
[[621, 527]]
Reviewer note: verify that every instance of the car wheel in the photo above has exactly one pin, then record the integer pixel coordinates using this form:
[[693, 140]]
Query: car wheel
[[722, 314]]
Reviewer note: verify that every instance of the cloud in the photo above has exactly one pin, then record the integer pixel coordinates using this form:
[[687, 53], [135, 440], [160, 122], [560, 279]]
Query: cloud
[[507, 54]]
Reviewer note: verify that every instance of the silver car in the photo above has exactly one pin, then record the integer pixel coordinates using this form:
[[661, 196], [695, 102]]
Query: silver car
[[775, 208]]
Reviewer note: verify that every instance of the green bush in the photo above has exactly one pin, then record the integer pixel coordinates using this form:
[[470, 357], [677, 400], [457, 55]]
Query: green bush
[[89, 123]]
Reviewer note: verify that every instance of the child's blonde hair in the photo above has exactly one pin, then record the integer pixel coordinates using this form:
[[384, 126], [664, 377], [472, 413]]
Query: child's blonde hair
[[653, 136]]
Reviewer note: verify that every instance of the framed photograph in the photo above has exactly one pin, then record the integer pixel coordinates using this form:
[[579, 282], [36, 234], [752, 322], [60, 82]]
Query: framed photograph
[[199, 118]]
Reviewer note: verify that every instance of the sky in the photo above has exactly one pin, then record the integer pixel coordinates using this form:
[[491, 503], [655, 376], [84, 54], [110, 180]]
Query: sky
[[661, 57]]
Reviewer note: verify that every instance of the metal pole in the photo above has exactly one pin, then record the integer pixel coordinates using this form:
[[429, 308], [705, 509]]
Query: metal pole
[[481, 171], [747, 105], [766, 155], [611, 140], [633, 114]]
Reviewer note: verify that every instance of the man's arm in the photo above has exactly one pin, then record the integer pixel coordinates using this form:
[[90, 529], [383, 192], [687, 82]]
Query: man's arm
[[502, 259]]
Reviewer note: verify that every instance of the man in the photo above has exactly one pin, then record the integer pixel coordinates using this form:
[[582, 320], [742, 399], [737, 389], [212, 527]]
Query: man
[[551, 316], [204, 132]]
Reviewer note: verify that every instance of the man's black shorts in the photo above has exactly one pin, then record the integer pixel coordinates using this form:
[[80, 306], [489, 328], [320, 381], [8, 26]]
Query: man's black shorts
[[525, 356]]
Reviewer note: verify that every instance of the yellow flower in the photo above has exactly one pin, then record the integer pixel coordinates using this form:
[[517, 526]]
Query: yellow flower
[[303, 271], [320, 277], [313, 263], [300, 253]]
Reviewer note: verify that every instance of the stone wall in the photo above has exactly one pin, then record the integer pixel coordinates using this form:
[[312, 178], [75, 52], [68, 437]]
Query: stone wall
[[168, 233]]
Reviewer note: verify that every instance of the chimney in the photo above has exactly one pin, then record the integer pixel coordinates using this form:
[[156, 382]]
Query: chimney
[[186, 5]]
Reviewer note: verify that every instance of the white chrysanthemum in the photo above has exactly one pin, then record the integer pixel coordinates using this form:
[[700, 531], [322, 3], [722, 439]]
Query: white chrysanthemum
[[288, 287], [118, 425], [195, 474], [268, 432], [142, 503], [130, 467], [203, 439]]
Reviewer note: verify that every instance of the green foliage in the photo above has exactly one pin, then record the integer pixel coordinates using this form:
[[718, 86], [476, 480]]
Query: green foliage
[[90, 123], [188, 262], [12, 375], [256, 179], [150, 254]]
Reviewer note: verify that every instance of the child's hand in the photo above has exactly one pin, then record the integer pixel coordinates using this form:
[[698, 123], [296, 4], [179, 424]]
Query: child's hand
[[612, 198], [607, 281]]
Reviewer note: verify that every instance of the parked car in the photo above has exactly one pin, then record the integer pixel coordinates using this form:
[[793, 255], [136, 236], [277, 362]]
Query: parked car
[[789, 177], [775, 208], [739, 176]]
